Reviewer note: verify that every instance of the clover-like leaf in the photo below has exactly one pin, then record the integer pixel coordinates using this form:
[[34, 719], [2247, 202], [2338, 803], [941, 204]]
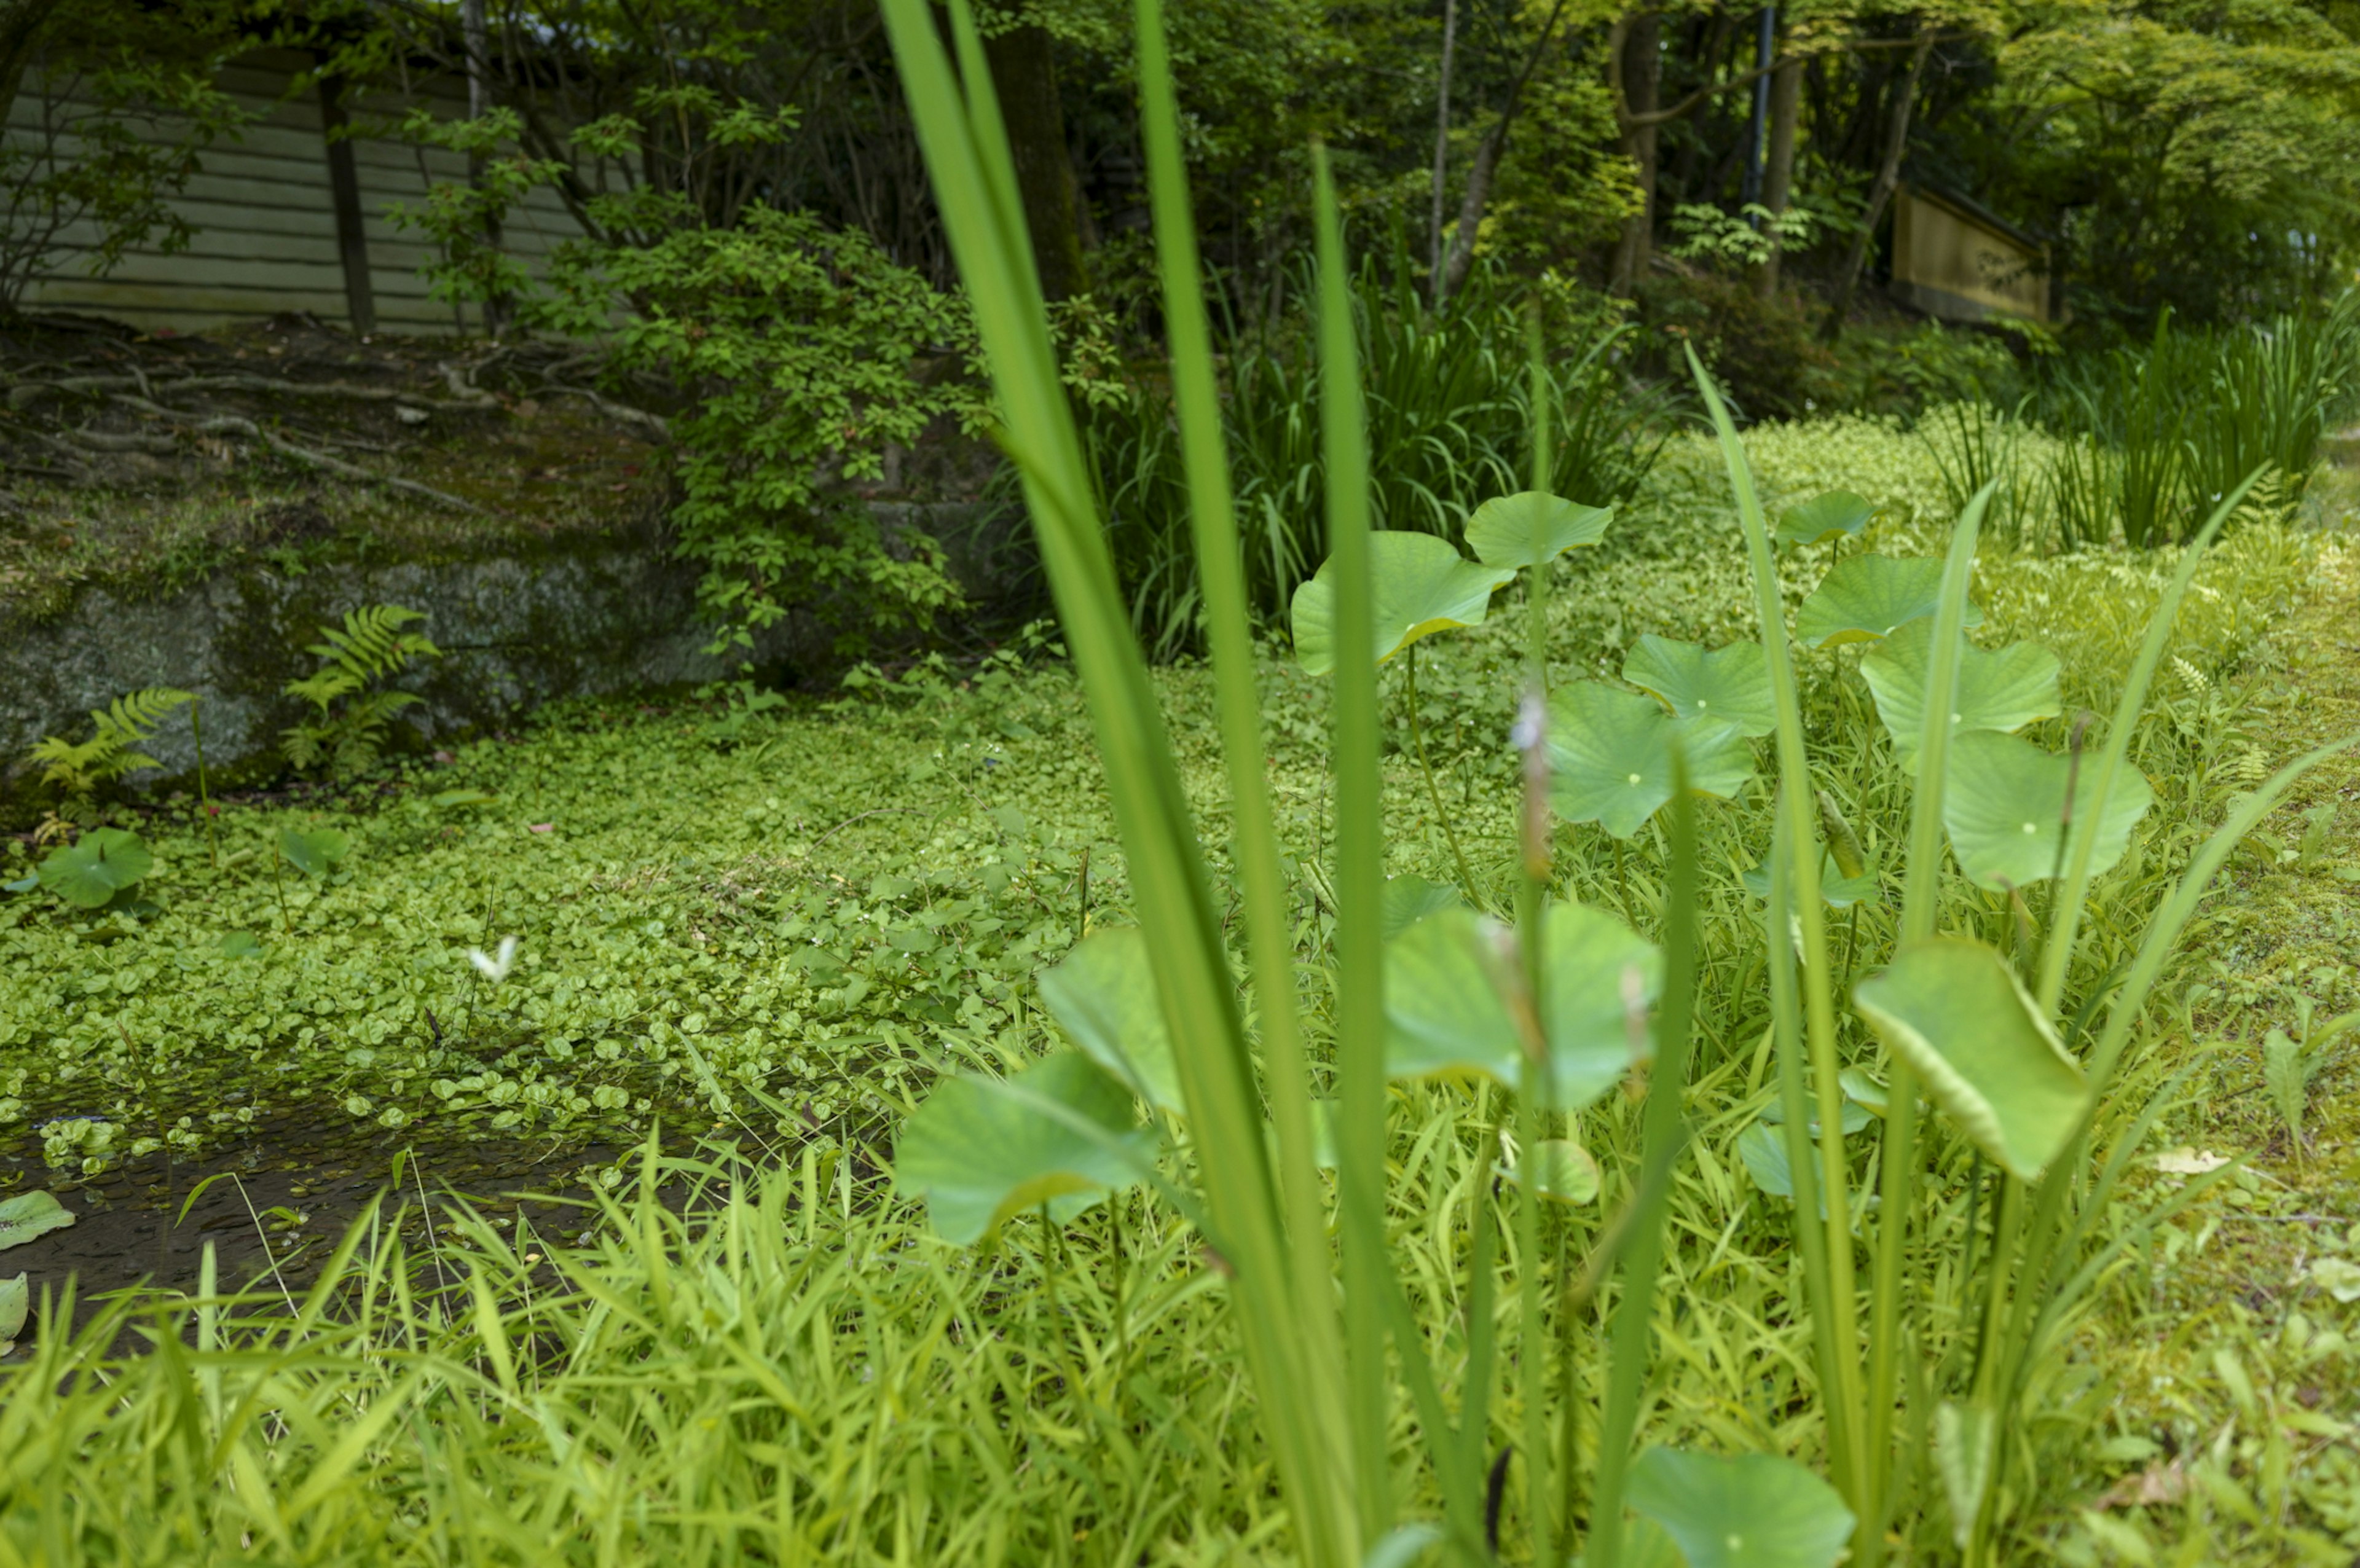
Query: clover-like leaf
[[92, 872], [1731, 684], [1421, 585], [1449, 980], [2004, 808], [1865, 597], [1952, 1008], [1611, 757], [1409, 899], [1533, 528], [1836, 890], [1563, 1171], [1748, 1511], [981, 1149], [1103, 996], [314, 853], [30, 1214], [2002, 691], [1837, 514]]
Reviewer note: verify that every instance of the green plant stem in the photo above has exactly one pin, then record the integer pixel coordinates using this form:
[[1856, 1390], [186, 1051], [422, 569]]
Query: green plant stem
[[1537, 1099], [1433, 793], [278, 879], [205, 795]]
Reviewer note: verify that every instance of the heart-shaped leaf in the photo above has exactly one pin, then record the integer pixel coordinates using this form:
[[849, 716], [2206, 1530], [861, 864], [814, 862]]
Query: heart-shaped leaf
[[316, 853], [1421, 586], [1731, 684], [28, 1215], [1954, 1010], [1865, 597], [1103, 996], [1611, 757], [981, 1149], [1836, 890], [1563, 1171], [2001, 691], [89, 873], [1749, 1510], [1409, 899], [2005, 806], [1837, 514], [1532, 528], [1449, 978]]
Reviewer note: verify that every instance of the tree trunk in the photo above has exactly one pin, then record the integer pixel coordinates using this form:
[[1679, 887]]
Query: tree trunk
[[1778, 162], [1888, 175], [1487, 163], [345, 197], [1024, 77], [1441, 150], [1641, 67]]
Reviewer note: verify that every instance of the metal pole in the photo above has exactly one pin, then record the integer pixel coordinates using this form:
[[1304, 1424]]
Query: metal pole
[[1765, 50]]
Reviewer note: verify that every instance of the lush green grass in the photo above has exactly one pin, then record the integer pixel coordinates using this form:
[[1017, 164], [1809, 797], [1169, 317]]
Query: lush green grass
[[846, 902]]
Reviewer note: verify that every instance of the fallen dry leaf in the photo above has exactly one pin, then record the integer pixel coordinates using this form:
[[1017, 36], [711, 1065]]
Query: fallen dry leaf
[[2187, 1161]]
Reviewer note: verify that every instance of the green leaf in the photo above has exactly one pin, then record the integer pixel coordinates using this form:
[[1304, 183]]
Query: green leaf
[[1103, 996], [1851, 1119], [451, 798], [1762, 1150], [1611, 759], [316, 853], [238, 945], [1422, 586], [1867, 596], [1997, 692], [15, 1298], [1862, 1090], [1533, 528], [1563, 1171], [92, 872], [2005, 806], [1730, 684], [1409, 899], [1838, 513], [981, 1149], [31, 1215], [1749, 1510], [1954, 1010], [1447, 983], [1836, 890], [1966, 1442]]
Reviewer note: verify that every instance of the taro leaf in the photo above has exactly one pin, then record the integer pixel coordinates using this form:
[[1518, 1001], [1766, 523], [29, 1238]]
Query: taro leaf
[[1533, 528], [31, 1215], [1422, 585], [16, 1298], [2005, 806], [1563, 1171], [1862, 1090], [1865, 597], [981, 1149], [1956, 1012], [1731, 684], [1764, 1150], [1611, 758], [314, 853], [1966, 1440], [1852, 1119], [2004, 690], [91, 873], [1409, 899], [1837, 513], [1103, 996], [1445, 1013], [1749, 1510], [1836, 890]]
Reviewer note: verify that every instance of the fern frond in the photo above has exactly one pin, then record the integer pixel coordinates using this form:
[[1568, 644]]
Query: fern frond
[[132, 716], [371, 644], [348, 736]]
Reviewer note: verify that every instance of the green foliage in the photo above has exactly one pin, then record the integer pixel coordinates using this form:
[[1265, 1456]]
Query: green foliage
[[1422, 585], [80, 770], [99, 869], [346, 735], [316, 853], [462, 219], [1055, 1136]]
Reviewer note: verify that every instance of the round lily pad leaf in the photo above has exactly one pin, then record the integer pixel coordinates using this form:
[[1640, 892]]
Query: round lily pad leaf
[[1563, 1171], [1103, 996], [981, 1149], [316, 853], [1954, 1010], [1730, 684], [2001, 692], [1409, 899], [1865, 597], [1421, 586], [92, 871], [1447, 979], [1839, 513], [2004, 808], [1836, 890], [1748, 1511], [31, 1215], [1611, 757], [1533, 528]]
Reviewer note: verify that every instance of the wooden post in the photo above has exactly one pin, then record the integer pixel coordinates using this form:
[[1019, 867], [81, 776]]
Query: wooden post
[[344, 194]]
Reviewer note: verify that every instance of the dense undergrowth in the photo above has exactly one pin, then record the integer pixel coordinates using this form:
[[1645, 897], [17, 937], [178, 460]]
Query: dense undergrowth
[[786, 928]]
